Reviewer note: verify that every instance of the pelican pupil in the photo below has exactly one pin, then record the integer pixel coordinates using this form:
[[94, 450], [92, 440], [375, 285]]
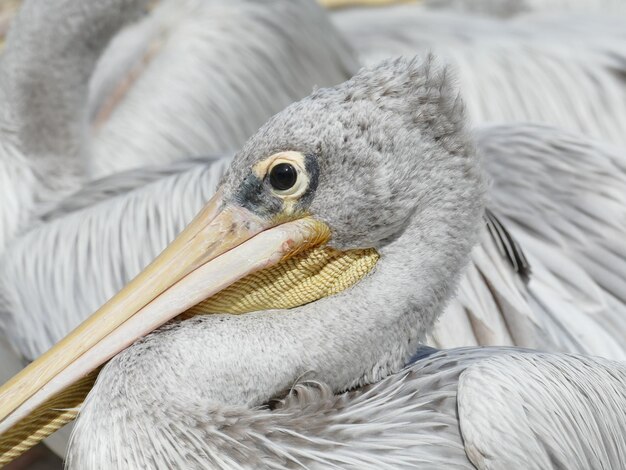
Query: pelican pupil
[[283, 176]]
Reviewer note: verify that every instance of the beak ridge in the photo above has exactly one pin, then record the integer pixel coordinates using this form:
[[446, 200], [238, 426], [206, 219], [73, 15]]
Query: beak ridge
[[223, 244]]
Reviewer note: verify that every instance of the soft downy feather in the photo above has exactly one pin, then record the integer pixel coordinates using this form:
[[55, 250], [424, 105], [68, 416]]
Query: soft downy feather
[[461, 409]]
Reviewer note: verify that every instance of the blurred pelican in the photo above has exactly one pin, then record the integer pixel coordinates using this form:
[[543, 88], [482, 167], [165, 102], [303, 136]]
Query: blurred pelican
[[198, 77], [382, 162]]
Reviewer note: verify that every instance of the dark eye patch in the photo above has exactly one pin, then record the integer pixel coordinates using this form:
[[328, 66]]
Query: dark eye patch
[[254, 194]]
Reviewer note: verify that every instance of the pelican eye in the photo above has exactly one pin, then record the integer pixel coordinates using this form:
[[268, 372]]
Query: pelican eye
[[283, 176], [285, 173]]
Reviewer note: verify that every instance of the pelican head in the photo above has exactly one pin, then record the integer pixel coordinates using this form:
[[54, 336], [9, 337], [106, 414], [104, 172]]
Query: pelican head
[[381, 162]]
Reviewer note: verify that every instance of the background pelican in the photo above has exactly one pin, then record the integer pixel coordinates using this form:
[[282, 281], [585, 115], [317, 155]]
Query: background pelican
[[403, 152], [227, 66]]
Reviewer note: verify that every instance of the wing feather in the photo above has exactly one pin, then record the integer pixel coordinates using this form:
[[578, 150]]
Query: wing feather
[[522, 410]]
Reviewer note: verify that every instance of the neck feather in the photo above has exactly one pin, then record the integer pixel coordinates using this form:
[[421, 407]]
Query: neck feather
[[358, 336], [355, 337]]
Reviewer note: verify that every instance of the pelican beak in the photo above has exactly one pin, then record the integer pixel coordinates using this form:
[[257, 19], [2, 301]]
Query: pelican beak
[[220, 246]]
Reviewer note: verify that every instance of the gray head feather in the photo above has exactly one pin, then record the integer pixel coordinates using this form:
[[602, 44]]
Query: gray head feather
[[380, 139]]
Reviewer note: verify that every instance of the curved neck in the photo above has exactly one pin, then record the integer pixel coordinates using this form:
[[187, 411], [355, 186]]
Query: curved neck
[[209, 362], [362, 334], [358, 336], [51, 51]]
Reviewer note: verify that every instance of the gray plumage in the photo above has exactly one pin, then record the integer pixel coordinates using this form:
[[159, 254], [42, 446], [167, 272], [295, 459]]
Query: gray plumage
[[458, 409], [399, 126]]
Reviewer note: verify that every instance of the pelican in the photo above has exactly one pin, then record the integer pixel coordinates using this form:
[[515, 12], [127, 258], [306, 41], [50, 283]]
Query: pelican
[[575, 314], [382, 174], [593, 329], [54, 275]]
